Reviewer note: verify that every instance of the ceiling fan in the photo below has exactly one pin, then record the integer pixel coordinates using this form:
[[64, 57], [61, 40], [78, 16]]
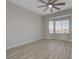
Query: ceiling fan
[[51, 4]]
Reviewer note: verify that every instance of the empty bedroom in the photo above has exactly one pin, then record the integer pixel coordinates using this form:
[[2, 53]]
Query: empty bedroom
[[38, 29]]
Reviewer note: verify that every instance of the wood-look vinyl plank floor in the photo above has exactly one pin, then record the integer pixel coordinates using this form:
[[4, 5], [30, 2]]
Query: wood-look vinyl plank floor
[[42, 49]]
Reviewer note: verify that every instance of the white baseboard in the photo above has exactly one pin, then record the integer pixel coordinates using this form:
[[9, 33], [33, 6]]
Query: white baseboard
[[21, 44]]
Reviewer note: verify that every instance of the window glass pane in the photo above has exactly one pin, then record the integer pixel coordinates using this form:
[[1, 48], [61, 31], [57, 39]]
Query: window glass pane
[[65, 26], [58, 26], [51, 27]]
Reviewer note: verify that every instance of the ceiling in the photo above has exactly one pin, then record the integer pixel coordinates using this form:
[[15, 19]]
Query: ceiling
[[31, 5]]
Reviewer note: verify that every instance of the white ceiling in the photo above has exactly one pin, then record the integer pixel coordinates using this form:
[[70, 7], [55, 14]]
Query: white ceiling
[[31, 5]]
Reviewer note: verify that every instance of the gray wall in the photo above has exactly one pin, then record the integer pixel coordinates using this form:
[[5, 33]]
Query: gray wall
[[22, 25]]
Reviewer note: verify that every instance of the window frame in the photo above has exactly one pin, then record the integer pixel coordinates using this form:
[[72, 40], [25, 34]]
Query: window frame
[[48, 27], [54, 25]]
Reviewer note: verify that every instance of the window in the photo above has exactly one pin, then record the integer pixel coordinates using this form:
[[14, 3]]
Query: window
[[65, 26], [58, 27], [51, 27], [61, 26]]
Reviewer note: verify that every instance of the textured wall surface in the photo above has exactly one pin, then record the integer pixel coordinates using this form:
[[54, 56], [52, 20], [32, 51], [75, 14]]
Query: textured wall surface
[[23, 26]]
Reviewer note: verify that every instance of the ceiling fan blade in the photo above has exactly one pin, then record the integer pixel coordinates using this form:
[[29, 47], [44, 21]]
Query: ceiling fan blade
[[41, 6], [63, 3], [56, 8], [54, 1], [43, 1], [49, 0], [45, 9]]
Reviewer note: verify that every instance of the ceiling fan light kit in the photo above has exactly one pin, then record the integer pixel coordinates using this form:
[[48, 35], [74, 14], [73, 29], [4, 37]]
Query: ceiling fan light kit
[[51, 4]]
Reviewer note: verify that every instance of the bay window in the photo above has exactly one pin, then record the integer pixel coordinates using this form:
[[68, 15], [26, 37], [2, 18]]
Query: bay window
[[61, 27]]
